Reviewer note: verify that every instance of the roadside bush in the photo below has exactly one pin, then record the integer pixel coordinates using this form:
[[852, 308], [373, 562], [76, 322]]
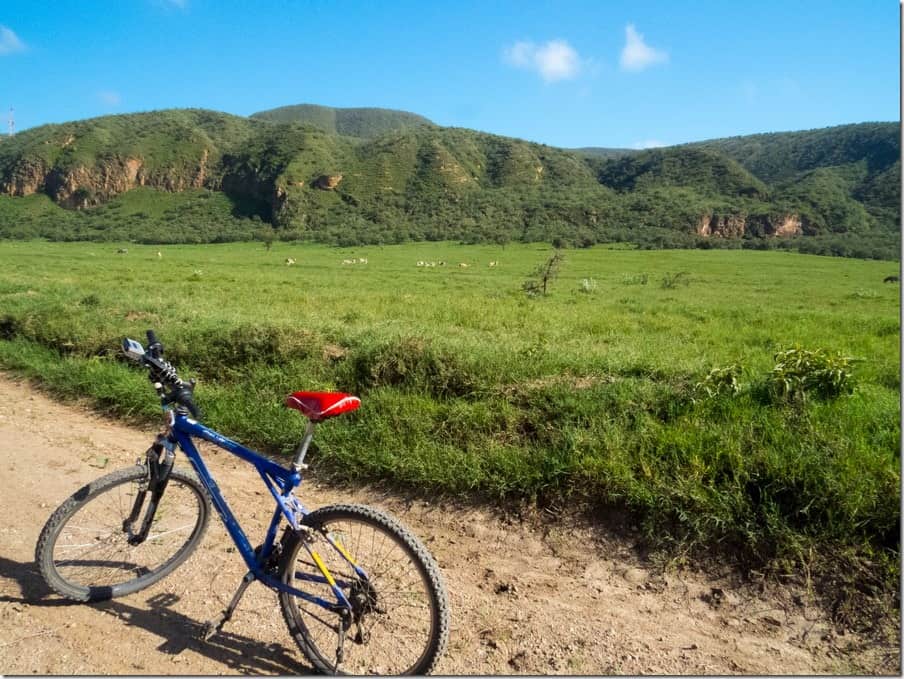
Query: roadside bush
[[799, 373], [215, 351], [408, 362]]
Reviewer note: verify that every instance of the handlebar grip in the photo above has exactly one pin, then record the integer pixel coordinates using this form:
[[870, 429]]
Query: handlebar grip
[[154, 346]]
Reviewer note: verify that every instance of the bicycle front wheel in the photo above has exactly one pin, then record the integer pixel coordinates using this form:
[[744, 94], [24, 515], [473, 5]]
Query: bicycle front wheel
[[84, 553], [400, 613]]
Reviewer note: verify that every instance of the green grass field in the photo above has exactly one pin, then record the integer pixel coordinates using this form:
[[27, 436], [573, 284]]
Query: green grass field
[[469, 385]]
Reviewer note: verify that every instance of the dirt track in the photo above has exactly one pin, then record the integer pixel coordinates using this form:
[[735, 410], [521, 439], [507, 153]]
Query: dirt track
[[560, 600]]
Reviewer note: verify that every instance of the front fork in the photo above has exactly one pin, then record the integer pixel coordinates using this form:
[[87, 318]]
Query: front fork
[[159, 460]]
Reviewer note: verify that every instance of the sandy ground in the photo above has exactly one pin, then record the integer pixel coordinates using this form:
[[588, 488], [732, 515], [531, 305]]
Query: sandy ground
[[526, 597]]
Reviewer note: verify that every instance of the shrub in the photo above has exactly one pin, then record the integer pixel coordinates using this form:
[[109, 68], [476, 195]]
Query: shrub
[[220, 353], [673, 280], [721, 381], [587, 286], [800, 372], [411, 363], [635, 279]]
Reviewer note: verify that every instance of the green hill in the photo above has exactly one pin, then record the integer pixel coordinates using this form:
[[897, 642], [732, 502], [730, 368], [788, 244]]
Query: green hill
[[705, 171], [779, 156], [352, 122], [200, 176], [603, 152]]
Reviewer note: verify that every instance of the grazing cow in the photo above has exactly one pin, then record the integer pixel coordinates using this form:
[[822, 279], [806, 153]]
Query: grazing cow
[[122, 251], [494, 264], [462, 265], [289, 261], [348, 261], [159, 254], [362, 260], [442, 264], [890, 279], [421, 264]]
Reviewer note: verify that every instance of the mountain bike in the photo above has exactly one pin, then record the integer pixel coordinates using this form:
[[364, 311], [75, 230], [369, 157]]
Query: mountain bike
[[359, 593]]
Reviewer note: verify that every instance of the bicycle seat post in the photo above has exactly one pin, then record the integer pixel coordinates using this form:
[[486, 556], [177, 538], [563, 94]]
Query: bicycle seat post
[[302, 450]]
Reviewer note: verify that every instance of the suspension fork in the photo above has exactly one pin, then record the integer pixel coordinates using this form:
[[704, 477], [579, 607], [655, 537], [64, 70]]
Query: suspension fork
[[160, 457]]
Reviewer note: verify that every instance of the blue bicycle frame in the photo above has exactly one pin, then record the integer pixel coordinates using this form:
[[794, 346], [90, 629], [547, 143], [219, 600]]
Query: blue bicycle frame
[[280, 482]]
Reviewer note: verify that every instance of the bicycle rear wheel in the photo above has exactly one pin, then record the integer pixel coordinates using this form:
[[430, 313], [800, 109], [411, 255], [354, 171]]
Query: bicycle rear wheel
[[400, 610], [84, 554]]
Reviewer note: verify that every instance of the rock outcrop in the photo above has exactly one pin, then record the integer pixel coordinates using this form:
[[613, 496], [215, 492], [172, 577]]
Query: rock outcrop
[[735, 226], [26, 178], [786, 225], [328, 182], [81, 186], [722, 226]]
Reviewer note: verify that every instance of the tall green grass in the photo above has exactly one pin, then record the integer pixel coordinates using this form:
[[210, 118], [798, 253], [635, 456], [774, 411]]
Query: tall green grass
[[469, 385]]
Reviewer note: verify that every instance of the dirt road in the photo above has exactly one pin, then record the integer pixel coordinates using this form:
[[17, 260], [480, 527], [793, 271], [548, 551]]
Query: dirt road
[[526, 599]]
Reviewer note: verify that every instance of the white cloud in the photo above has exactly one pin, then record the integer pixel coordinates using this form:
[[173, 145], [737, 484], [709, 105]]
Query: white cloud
[[9, 41], [637, 55], [109, 97], [555, 60], [520, 54], [648, 144]]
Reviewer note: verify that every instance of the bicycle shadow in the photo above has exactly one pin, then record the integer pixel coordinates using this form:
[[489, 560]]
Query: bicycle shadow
[[178, 631]]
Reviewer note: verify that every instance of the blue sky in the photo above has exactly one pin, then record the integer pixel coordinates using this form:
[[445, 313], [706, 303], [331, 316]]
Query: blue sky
[[597, 73]]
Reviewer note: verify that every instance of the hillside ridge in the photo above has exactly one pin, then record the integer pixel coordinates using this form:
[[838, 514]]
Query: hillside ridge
[[364, 122], [835, 188]]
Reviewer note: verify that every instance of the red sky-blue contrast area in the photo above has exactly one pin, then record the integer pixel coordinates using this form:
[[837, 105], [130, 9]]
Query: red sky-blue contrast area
[[617, 74]]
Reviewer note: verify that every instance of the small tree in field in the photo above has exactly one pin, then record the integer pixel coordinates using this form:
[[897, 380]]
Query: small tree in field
[[542, 277], [266, 235]]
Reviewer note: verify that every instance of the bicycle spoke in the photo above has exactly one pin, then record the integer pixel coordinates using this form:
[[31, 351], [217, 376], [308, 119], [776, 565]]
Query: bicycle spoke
[[92, 549], [397, 637]]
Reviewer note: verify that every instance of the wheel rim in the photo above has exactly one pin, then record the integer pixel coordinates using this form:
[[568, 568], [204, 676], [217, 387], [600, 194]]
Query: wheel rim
[[394, 611], [91, 550]]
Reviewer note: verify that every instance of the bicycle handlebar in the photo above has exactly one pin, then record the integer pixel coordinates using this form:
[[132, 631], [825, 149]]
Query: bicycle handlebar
[[154, 346], [163, 375]]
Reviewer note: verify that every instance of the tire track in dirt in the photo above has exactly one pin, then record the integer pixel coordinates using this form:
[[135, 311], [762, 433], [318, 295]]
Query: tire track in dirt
[[562, 600]]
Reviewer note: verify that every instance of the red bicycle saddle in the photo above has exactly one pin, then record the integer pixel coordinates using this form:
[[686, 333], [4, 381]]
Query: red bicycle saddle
[[319, 405]]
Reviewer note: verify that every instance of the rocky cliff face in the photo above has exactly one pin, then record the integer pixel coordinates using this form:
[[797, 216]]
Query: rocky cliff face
[[722, 226], [82, 186], [735, 226], [786, 225]]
